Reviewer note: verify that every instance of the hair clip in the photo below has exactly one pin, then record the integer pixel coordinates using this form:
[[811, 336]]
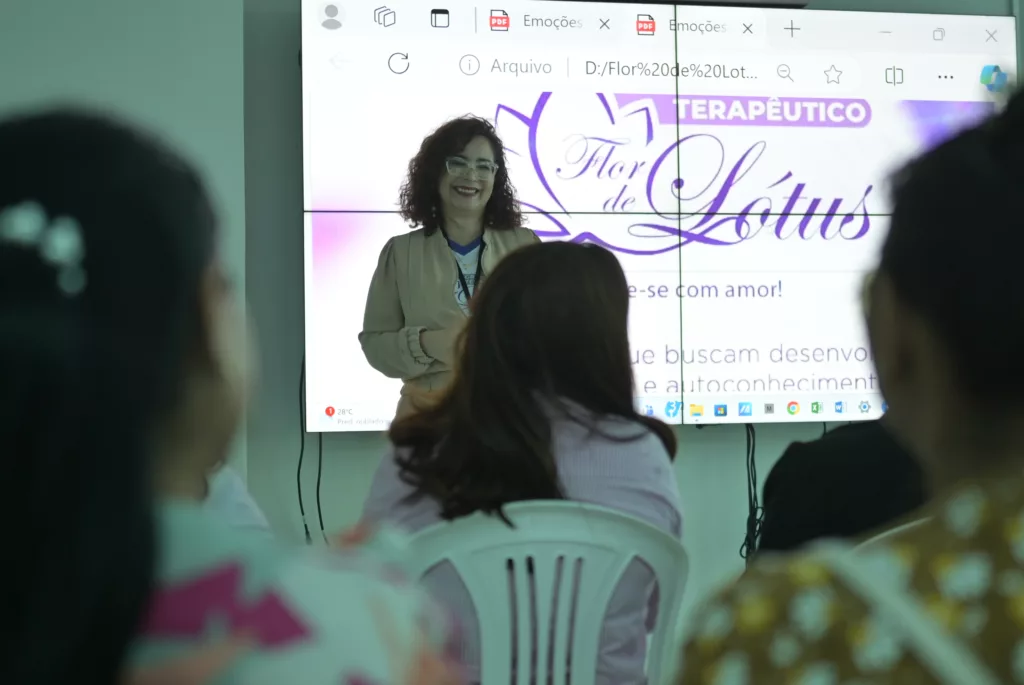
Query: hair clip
[[59, 242]]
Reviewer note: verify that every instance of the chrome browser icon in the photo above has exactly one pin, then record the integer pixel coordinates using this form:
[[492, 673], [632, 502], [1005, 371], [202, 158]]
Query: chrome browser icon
[[994, 78]]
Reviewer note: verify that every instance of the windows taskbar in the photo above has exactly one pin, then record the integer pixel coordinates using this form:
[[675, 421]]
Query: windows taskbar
[[376, 415], [792, 409]]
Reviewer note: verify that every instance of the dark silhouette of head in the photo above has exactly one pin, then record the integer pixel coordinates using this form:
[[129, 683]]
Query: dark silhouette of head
[[463, 152], [106, 303], [945, 310], [547, 340]]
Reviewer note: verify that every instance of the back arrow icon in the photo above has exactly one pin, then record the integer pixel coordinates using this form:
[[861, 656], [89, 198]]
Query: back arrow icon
[[398, 63]]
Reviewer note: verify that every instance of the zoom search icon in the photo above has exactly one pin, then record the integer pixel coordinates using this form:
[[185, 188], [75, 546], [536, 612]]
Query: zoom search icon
[[469, 65]]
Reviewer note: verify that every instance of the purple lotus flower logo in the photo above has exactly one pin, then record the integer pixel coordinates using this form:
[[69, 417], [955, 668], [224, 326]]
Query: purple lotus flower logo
[[665, 204]]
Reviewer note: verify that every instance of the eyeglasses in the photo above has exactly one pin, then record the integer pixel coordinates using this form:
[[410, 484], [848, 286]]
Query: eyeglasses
[[459, 166]]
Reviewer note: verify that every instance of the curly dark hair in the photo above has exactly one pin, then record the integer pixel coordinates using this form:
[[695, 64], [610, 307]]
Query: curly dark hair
[[419, 196]]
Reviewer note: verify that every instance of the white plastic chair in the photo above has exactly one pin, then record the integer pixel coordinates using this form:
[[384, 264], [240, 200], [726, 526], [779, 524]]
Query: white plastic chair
[[580, 549], [884, 536]]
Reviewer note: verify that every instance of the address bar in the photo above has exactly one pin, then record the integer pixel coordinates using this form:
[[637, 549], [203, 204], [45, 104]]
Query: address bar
[[741, 70], [779, 71], [713, 70]]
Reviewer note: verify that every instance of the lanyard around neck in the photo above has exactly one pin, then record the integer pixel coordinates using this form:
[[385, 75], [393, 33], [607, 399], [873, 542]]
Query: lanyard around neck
[[479, 269]]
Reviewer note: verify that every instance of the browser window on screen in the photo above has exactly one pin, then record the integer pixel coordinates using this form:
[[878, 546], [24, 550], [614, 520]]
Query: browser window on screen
[[735, 160]]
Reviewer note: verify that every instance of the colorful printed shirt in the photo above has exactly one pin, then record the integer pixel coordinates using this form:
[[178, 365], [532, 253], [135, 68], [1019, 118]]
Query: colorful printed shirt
[[344, 618], [792, 622]]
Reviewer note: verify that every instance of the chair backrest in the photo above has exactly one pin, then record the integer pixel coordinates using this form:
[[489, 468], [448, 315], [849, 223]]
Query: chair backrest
[[545, 585], [884, 536]]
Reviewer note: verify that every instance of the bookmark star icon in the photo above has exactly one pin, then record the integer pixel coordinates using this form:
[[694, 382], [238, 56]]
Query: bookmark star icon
[[833, 74]]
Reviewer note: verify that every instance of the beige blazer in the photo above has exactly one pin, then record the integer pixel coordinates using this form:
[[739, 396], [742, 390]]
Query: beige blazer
[[413, 292]]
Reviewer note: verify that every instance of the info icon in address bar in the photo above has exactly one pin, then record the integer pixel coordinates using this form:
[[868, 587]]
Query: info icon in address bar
[[645, 25]]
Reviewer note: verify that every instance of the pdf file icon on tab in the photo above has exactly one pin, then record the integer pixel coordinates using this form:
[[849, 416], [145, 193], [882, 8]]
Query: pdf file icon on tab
[[644, 25], [499, 20]]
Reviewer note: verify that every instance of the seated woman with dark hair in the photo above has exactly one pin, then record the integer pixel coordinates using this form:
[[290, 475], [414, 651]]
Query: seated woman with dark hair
[[124, 371], [541, 407]]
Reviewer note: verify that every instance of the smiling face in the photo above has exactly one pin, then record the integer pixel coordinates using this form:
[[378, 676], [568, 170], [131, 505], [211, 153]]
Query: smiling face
[[468, 180]]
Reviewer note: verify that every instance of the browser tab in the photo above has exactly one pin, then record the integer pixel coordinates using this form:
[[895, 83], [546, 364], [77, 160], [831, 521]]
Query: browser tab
[[706, 27], [719, 27], [556, 22]]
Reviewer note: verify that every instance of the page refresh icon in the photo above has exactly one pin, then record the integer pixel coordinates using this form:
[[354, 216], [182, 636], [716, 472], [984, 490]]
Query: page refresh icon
[[398, 63]]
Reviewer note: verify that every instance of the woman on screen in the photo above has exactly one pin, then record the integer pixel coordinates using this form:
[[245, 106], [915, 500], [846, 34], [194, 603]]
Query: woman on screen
[[541, 407], [123, 375], [939, 602], [459, 197]]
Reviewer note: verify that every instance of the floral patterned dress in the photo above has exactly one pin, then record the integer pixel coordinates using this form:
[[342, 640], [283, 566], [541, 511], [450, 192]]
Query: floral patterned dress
[[795, 622]]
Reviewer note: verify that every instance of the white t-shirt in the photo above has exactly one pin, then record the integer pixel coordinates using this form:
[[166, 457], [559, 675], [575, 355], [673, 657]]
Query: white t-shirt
[[467, 257], [228, 498]]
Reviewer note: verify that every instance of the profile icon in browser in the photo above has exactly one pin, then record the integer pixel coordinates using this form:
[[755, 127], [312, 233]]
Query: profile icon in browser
[[330, 17]]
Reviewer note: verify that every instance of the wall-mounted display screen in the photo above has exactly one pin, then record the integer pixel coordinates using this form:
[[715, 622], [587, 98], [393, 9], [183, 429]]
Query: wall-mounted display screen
[[735, 160]]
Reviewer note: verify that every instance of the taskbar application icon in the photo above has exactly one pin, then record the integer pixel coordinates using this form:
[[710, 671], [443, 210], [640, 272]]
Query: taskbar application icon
[[673, 408]]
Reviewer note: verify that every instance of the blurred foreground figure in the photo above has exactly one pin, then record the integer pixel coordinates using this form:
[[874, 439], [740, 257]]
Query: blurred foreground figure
[[124, 369], [939, 602]]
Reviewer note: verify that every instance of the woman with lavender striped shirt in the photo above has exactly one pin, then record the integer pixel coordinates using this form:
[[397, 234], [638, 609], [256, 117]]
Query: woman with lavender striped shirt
[[541, 407]]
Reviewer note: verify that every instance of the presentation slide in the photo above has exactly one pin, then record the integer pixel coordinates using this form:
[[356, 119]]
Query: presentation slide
[[737, 161]]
